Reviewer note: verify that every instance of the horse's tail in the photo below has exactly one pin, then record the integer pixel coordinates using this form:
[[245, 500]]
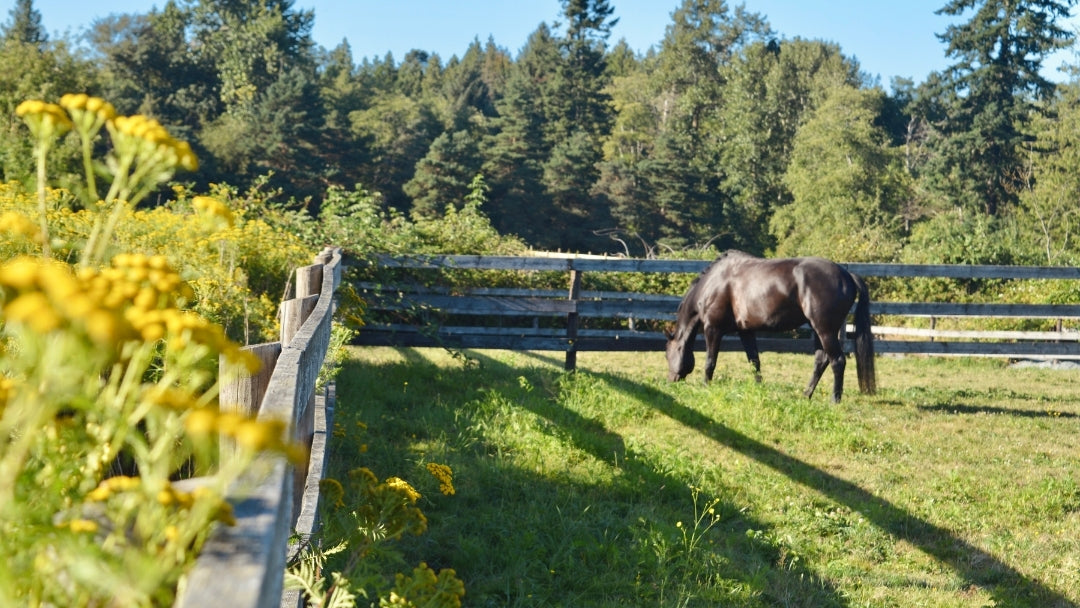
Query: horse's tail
[[864, 339]]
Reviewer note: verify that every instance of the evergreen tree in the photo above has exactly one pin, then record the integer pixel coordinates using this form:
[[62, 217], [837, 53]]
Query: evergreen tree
[[25, 25], [689, 86], [339, 87], [252, 44], [581, 101], [444, 175], [149, 69], [396, 131], [516, 147], [990, 95], [579, 117], [468, 96]]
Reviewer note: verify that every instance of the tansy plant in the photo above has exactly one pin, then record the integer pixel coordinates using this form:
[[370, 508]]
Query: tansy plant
[[108, 386], [362, 518]]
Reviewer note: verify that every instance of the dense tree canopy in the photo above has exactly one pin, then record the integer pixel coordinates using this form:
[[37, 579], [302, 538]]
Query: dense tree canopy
[[726, 133]]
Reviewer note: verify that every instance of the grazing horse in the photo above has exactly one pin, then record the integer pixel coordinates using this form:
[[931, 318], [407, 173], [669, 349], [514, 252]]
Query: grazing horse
[[740, 293]]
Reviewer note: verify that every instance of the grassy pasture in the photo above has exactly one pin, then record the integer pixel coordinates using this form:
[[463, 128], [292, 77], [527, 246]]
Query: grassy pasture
[[958, 484]]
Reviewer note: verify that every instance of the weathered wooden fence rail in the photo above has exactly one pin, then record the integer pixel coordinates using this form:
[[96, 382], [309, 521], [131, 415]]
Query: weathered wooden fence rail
[[242, 566], [563, 311]]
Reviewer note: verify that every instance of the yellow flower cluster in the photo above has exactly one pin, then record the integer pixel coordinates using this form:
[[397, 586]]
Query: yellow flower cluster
[[444, 475], [111, 486], [400, 485], [82, 525], [135, 298], [151, 141], [46, 120], [424, 588], [44, 295], [333, 492], [388, 507], [248, 433], [7, 386], [87, 113], [168, 496], [17, 224], [213, 209]]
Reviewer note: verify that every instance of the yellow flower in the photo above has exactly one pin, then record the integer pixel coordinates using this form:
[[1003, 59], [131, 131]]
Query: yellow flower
[[7, 386], [46, 120], [335, 493], [20, 273], [444, 475], [34, 310], [83, 525], [18, 224], [202, 421], [213, 210], [166, 496], [102, 327], [403, 487], [172, 533], [100, 493], [88, 113], [255, 435]]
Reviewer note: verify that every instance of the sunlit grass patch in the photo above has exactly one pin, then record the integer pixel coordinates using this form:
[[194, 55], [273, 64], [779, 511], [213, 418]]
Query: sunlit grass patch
[[955, 485]]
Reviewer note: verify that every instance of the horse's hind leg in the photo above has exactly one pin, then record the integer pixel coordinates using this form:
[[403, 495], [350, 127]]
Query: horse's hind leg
[[821, 361], [749, 344], [835, 355]]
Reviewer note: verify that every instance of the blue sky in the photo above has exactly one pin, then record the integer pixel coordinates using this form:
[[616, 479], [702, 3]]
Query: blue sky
[[888, 38]]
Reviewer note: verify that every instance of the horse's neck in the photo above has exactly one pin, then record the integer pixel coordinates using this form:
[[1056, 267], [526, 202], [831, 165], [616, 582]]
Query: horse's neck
[[687, 328]]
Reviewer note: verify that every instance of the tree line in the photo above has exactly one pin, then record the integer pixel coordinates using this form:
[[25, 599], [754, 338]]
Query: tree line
[[724, 134]]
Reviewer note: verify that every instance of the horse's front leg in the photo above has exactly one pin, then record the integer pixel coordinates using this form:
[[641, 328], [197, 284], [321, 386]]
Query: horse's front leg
[[749, 344], [712, 347]]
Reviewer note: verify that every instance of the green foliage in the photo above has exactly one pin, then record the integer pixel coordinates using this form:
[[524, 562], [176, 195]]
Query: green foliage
[[591, 147], [1047, 217], [846, 184], [362, 518]]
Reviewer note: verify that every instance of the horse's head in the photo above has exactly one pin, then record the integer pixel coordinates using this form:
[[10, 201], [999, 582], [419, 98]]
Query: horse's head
[[680, 356]]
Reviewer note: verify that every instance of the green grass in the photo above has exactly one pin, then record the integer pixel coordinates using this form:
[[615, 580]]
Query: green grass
[[958, 484]]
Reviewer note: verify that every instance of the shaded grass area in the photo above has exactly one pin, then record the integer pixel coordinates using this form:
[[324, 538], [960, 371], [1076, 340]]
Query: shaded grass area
[[956, 485]]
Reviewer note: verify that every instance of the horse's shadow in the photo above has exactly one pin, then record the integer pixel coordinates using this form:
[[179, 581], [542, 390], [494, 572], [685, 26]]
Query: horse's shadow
[[975, 565]]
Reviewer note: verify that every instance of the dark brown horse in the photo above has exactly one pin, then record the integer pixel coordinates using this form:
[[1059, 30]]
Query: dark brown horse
[[740, 293]]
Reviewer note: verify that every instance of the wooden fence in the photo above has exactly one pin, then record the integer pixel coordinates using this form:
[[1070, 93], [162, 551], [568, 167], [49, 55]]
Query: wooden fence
[[552, 320], [242, 566]]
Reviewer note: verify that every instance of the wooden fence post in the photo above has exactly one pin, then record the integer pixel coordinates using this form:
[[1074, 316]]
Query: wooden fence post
[[293, 314], [243, 393], [308, 280], [572, 321]]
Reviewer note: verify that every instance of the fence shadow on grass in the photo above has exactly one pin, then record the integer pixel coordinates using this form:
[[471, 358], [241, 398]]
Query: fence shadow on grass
[[783, 584], [1008, 586], [951, 408]]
